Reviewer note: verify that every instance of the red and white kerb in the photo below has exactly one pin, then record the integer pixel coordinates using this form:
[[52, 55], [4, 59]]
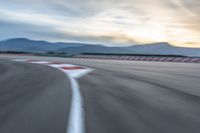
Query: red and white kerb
[[74, 71]]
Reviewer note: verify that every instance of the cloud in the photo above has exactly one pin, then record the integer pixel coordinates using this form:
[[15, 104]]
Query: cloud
[[106, 21]]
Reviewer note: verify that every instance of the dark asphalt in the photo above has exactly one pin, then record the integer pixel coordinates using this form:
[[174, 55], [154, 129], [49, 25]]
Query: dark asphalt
[[33, 98], [139, 97]]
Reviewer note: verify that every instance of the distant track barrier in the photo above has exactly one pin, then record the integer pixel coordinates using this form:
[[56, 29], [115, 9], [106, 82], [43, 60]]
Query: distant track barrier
[[118, 57], [17, 54], [136, 58]]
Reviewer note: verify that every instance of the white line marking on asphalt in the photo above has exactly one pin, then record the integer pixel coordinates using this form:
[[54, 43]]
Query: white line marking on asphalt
[[20, 60], [76, 116], [61, 65], [78, 74], [40, 62]]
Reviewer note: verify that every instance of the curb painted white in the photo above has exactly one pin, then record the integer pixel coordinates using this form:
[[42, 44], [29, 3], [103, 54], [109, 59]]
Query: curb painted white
[[76, 116]]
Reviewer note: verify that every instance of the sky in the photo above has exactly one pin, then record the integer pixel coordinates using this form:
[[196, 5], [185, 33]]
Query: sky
[[109, 22]]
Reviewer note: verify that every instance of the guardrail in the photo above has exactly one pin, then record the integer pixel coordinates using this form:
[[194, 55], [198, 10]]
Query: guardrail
[[23, 54], [136, 58]]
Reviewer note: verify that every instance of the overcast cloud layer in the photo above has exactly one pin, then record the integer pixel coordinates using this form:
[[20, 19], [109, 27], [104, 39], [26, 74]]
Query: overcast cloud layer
[[111, 22]]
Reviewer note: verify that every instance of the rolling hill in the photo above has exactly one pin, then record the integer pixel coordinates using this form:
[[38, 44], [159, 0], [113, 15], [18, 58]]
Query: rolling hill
[[26, 45]]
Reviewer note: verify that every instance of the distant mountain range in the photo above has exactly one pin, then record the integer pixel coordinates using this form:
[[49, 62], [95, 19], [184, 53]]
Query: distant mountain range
[[26, 45]]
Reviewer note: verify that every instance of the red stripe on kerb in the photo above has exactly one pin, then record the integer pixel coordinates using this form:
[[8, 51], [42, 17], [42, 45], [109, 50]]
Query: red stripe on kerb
[[72, 68]]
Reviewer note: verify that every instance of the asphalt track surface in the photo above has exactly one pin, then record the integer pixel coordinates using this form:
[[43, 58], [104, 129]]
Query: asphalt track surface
[[33, 98], [130, 96]]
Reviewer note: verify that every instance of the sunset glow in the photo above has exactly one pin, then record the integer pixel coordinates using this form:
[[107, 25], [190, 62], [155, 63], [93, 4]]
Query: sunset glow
[[109, 22]]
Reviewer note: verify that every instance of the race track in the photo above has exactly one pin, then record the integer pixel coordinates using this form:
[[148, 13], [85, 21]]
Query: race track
[[33, 98], [126, 96]]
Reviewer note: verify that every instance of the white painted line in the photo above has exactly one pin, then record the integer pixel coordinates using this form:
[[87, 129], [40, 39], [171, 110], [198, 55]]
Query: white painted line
[[20, 60], [76, 116], [78, 73], [61, 65], [40, 62]]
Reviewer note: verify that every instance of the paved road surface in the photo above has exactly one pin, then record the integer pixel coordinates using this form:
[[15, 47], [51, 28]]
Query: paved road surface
[[139, 97], [33, 98]]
